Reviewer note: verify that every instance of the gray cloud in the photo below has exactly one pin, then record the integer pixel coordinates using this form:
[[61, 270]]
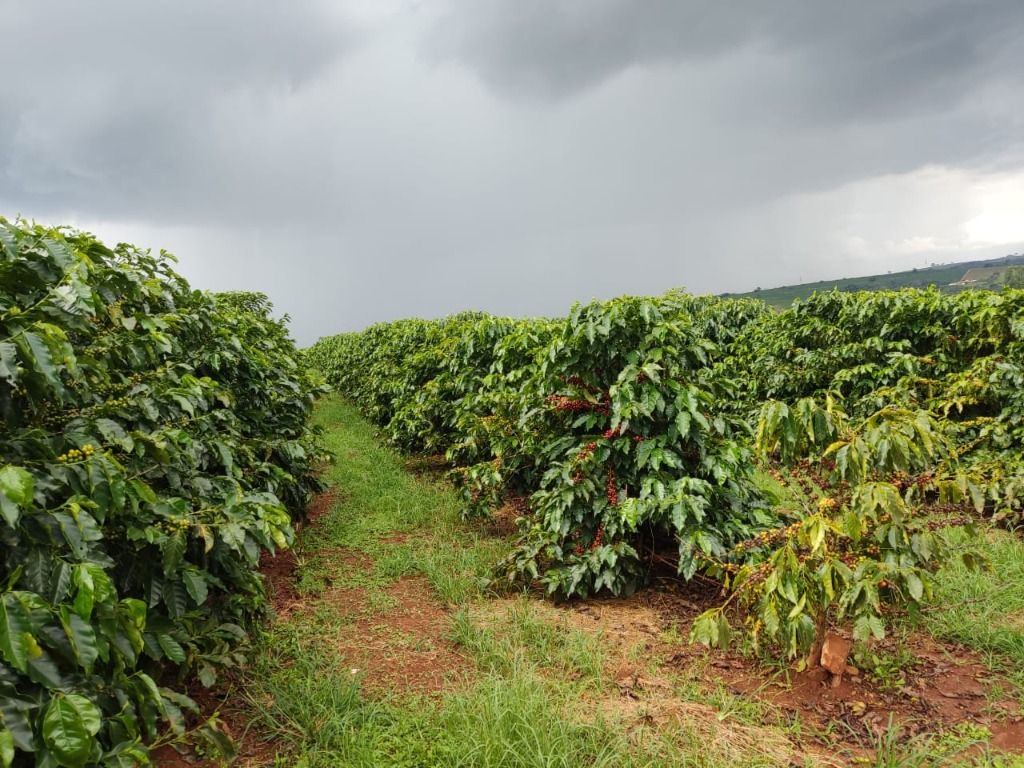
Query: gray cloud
[[390, 157], [865, 59], [118, 104]]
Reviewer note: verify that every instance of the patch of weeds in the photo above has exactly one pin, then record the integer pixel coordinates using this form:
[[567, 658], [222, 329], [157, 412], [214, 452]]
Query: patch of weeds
[[488, 651], [459, 571], [378, 602], [522, 637], [310, 582], [313, 711], [746, 709], [688, 682], [960, 737], [396, 560], [672, 635], [886, 667], [965, 744], [638, 653], [519, 722], [382, 502], [978, 608]]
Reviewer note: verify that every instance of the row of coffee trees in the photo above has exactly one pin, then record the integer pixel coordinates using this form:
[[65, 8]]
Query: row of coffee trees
[[154, 443], [814, 461]]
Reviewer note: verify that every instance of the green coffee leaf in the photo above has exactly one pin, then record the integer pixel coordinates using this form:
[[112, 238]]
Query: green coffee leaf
[[6, 748], [69, 725], [16, 489]]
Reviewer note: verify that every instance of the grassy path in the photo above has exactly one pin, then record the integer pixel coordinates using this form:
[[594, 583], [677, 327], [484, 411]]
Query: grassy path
[[387, 650], [520, 689]]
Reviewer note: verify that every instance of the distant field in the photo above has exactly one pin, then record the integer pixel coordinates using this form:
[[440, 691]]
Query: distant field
[[940, 276]]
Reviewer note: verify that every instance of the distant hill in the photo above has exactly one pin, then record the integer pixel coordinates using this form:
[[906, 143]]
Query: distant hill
[[948, 277]]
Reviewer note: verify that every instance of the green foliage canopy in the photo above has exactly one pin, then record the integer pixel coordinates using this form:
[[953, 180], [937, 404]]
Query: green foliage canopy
[[154, 443]]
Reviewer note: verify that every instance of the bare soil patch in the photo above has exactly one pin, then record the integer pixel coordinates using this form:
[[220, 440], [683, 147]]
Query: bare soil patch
[[167, 757], [404, 649], [395, 641], [504, 521], [278, 572], [320, 506], [279, 568], [728, 739], [944, 685], [431, 465]]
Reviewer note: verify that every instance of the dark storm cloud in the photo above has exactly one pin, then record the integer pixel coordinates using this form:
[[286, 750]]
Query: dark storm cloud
[[784, 96], [372, 159], [874, 58]]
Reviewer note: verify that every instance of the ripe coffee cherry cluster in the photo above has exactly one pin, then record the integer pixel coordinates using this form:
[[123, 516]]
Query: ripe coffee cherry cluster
[[563, 403], [520, 505], [806, 478], [585, 453], [903, 481], [852, 560], [611, 434], [950, 522], [598, 539], [612, 491]]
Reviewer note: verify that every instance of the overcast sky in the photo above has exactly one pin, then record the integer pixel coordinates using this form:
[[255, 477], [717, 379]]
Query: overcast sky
[[370, 160]]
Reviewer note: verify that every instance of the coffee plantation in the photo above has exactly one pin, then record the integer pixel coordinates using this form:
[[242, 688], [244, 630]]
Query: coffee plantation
[[817, 466]]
